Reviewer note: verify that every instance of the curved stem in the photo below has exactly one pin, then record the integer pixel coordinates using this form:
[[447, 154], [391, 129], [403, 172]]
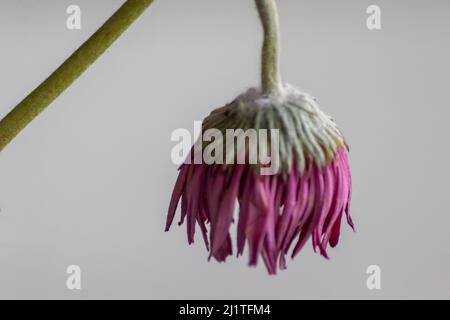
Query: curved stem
[[270, 70], [70, 70]]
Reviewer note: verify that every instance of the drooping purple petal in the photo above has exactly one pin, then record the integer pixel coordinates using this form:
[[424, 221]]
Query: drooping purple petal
[[224, 216], [299, 211], [288, 208], [244, 202], [339, 201], [195, 189], [329, 182], [256, 224], [176, 195], [345, 165]]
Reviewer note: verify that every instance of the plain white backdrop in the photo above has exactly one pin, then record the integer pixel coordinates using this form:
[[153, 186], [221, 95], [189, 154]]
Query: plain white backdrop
[[88, 182]]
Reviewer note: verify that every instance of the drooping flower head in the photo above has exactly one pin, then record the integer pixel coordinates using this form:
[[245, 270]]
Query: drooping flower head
[[273, 214], [279, 199]]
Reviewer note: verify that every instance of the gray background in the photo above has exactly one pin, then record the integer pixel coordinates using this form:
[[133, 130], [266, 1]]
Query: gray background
[[88, 182]]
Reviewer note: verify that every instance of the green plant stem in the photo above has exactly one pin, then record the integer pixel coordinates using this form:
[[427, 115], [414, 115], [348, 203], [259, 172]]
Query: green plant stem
[[270, 70], [70, 70]]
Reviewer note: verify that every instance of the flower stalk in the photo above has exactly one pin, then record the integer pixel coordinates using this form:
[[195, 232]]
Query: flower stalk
[[270, 67], [38, 100]]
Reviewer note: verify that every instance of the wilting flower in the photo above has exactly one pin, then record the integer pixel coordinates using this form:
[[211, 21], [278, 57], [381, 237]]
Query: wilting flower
[[307, 198]]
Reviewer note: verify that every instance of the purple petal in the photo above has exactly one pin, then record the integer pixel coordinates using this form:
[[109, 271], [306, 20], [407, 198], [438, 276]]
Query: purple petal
[[176, 195]]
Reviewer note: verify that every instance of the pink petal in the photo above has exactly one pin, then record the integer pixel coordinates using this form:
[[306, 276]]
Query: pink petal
[[176, 195]]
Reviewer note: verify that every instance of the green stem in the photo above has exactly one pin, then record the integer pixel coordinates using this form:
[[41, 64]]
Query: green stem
[[70, 70], [270, 70]]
